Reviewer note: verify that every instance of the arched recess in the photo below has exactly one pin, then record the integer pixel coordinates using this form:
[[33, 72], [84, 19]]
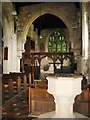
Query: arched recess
[[43, 11]]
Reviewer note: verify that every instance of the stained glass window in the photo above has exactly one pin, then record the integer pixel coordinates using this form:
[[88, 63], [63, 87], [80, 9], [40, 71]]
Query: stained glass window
[[57, 42]]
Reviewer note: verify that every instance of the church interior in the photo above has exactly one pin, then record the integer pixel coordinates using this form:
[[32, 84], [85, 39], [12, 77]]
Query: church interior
[[45, 59]]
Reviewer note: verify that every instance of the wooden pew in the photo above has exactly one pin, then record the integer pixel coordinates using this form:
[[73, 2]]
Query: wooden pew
[[12, 84], [40, 102], [3, 94], [7, 90], [84, 84], [41, 85], [82, 103], [15, 80], [15, 76]]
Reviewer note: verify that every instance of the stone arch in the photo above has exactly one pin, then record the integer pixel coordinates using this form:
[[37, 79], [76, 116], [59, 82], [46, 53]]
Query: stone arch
[[49, 11]]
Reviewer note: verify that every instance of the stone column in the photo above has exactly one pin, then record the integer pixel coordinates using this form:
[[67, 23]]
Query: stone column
[[85, 39], [20, 49], [19, 56]]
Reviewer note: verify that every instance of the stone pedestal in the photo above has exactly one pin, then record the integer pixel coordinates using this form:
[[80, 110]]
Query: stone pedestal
[[64, 90]]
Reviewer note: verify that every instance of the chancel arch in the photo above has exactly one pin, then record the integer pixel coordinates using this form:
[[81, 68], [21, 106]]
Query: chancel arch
[[44, 10], [40, 9]]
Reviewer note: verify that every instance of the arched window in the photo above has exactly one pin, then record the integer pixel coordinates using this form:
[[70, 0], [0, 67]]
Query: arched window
[[57, 42]]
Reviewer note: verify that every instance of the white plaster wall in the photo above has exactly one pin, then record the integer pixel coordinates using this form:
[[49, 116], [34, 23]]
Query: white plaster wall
[[10, 64], [7, 42], [9, 38], [13, 53]]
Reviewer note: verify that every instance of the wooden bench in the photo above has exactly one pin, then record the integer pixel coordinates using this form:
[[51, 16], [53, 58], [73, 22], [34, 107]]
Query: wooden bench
[[40, 102], [41, 85], [82, 103], [12, 85]]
